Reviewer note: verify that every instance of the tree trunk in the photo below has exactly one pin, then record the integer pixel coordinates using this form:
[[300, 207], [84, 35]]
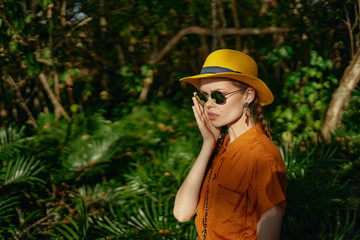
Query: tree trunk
[[236, 22], [341, 96], [63, 13], [147, 84], [215, 23]]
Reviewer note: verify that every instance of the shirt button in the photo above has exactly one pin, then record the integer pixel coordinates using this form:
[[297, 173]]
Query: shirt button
[[214, 176]]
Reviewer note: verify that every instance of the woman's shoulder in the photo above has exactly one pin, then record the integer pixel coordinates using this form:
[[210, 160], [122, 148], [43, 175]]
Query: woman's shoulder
[[266, 150]]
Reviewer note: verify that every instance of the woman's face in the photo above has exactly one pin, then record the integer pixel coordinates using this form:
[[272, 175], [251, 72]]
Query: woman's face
[[231, 110]]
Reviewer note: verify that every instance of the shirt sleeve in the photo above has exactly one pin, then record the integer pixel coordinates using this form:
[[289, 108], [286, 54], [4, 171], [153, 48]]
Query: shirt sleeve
[[270, 180]]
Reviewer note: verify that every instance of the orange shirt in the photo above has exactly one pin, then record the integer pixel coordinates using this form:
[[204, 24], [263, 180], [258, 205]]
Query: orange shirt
[[247, 179]]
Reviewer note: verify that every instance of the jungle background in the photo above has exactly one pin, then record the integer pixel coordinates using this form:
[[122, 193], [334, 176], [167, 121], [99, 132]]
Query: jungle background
[[97, 133]]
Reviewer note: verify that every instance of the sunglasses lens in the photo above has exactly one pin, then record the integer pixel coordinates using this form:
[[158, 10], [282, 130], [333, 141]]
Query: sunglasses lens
[[217, 97], [202, 96]]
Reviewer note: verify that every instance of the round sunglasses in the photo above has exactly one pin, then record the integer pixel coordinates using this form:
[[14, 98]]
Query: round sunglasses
[[217, 96]]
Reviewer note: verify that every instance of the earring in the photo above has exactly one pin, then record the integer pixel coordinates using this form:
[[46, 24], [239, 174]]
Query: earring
[[247, 112]]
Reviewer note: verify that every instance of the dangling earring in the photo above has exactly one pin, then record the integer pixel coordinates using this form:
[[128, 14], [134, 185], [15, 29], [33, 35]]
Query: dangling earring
[[247, 112]]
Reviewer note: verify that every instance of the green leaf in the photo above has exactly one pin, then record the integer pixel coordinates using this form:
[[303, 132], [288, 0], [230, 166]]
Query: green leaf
[[333, 79], [329, 64], [312, 97], [21, 170], [293, 78], [74, 108], [303, 109], [28, 18], [7, 204], [312, 72], [284, 51], [74, 72], [288, 114], [65, 232], [317, 124], [44, 3], [46, 53], [327, 84]]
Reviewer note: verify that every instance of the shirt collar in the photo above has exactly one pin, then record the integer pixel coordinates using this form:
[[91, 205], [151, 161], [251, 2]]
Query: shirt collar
[[243, 140]]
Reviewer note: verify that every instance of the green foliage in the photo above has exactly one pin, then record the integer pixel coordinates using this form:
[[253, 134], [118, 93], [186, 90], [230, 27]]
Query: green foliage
[[78, 226], [20, 171], [279, 54], [319, 195], [151, 220], [18, 174], [10, 143], [112, 171], [131, 170], [308, 93]]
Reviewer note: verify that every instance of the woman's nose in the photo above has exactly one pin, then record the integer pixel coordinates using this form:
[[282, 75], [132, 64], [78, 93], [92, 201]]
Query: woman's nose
[[209, 102]]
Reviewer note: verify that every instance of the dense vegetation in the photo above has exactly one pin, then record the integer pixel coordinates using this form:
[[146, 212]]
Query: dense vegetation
[[97, 133]]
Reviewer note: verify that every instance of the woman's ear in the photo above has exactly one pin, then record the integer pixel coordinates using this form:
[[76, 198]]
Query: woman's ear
[[249, 95]]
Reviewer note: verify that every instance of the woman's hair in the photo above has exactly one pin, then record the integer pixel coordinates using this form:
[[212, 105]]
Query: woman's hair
[[256, 110]]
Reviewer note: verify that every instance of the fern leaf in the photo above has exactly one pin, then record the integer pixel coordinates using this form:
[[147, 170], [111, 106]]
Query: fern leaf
[[21, 169]]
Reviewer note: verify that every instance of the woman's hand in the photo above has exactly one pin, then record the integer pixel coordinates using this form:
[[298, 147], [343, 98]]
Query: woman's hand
[[209, 133]]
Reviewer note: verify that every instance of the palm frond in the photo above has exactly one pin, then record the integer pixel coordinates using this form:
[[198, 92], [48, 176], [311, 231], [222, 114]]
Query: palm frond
[[296, 161], [7, 205], [347, 228], [152, 219], [99, 193], [177, 159], [108, 227], [21, 170], [87, 153], [11, 142], [155, 219], [76, 228]]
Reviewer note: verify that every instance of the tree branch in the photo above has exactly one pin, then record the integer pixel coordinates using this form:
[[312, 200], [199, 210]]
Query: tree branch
[[348, 25], [82, 23], [41, 220], [20, 100], [157, 56], [21, 39], [59, 110]]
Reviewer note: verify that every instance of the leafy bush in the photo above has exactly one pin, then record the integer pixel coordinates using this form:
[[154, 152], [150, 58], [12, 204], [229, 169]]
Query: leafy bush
[[322, 202], [305, 95], [91, 178]]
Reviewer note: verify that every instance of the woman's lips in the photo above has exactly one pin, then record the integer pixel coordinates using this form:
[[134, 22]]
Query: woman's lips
[[212, 116]]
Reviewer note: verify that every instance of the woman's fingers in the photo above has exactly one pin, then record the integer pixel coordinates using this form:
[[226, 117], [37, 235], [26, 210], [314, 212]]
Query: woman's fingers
[[200, 107], [197, 105], [204, 125]]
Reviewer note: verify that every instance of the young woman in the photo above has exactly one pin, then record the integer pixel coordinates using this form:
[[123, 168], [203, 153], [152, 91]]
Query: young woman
[[236, 187]]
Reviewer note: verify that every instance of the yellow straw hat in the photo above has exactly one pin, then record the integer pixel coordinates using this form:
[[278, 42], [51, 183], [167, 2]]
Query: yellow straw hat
[[236, 65]]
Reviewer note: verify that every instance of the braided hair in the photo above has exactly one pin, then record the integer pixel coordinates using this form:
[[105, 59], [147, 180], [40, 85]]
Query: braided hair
[[256, 109]]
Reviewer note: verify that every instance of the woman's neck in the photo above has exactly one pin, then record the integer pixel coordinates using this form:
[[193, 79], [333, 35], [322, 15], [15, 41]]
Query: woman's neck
[[239, 127]]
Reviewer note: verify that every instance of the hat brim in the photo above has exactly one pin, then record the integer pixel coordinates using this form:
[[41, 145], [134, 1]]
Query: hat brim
[[263, 92]]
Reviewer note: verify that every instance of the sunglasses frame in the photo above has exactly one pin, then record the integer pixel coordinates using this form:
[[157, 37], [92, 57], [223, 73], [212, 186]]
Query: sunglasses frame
[[202, 102]]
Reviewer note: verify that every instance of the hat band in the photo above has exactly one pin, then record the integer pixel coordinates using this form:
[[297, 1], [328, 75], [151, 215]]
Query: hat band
[[215, 70]]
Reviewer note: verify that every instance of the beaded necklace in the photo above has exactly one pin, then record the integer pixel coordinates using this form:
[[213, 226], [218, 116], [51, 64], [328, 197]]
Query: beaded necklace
[[218, 144], [206, 207]]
